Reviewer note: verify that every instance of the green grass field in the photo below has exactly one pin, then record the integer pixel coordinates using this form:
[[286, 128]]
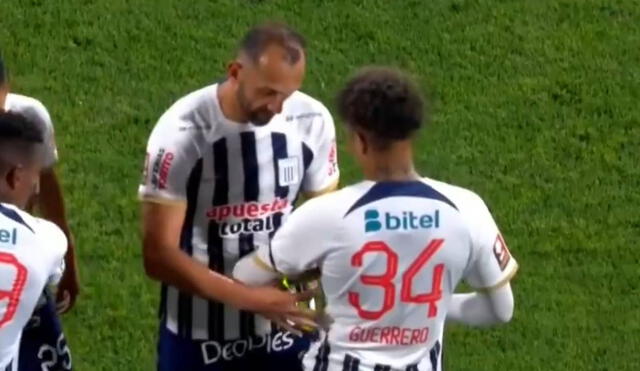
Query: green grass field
[[536, 108]]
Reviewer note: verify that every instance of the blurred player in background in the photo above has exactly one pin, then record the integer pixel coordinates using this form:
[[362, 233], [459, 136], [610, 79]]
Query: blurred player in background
[[49, 200], [31, 249], [43, 336], [224, 167], [392, 248], [43, 342]]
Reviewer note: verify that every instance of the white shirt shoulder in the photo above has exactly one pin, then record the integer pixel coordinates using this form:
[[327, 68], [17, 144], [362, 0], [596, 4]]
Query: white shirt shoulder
[[45, 240], [491, 264], [316, 128], [176, 143], [318, 226]]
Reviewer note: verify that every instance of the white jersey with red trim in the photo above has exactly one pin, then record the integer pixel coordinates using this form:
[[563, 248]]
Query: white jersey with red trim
[[31, 256], [391, 255], [35, 111], [240, 182]]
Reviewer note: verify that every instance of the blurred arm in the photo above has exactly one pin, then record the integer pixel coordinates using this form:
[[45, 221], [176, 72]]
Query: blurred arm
[[482, 308]]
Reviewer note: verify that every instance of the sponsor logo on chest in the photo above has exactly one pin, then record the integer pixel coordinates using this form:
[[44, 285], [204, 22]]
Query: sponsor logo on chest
[[248, 217], [8, 236]]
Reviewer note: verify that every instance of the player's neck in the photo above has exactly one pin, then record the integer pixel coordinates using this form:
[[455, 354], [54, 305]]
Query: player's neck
[[395, 165], [229, 104], [6, 199]]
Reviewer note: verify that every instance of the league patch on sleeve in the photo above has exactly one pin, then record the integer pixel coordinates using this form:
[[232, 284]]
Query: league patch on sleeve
[[161, 167], [333, 158], [501, 252]]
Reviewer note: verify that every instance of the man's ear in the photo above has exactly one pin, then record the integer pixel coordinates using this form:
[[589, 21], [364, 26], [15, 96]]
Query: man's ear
[[233, 69], [364, 144], [13, 177]]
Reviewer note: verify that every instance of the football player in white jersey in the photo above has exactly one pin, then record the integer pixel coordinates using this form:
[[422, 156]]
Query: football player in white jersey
[[43, 336], [31, 249], [225, 165], [392, 248]]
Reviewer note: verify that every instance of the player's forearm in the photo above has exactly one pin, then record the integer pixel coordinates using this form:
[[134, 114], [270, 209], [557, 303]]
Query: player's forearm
[[176, 268], [51, 201], [250, 271], [482, 309]]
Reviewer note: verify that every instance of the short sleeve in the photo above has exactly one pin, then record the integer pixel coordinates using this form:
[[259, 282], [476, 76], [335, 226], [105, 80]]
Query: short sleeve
[[37, 112], [492, 264], [323, 172], [54, 242], [170, 158], [303, 240]]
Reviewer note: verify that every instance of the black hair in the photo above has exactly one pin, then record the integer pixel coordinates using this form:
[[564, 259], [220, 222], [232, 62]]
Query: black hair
[[257, 39], [384, 103], [18, 137]]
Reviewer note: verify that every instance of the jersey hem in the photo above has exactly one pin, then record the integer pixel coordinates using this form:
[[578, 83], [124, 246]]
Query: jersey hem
[[328, 189], [503, 281]]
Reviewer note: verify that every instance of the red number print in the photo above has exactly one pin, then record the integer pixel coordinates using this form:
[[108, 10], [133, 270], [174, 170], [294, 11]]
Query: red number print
[[13, 295], [385, 281], [435, 295]]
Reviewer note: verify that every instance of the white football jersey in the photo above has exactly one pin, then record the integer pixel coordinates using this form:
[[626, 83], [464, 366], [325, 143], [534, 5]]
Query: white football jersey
[[239, 182], [31, 256], [35, 111], [391, 255]]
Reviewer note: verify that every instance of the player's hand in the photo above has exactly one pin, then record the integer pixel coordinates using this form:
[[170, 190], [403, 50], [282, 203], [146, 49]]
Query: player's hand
[[282, 307], [295, 318], [69, 286]]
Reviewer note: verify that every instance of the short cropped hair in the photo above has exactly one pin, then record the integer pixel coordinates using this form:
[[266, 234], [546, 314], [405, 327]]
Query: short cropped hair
[[383, 102], [260, 37], [19, 137]]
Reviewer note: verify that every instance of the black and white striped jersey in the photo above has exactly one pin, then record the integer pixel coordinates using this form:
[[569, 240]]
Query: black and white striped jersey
[[240, 183]]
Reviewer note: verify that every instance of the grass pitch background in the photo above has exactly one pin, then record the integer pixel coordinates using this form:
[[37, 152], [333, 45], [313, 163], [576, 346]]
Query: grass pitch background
[[536, 110]]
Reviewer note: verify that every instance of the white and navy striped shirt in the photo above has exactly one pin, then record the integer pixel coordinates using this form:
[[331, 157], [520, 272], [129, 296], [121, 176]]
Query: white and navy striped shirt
[[240, 182]]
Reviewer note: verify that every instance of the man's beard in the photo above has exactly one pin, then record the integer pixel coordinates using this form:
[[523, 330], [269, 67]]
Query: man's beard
[[258, 117]]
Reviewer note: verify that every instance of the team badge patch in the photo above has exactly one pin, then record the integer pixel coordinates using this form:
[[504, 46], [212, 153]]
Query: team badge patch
[[501, 252], [288, 171]]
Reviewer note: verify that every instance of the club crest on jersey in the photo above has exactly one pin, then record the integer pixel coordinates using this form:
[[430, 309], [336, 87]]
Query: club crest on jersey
[[288, 171], [406, 220], [501, 252], [248, 217]]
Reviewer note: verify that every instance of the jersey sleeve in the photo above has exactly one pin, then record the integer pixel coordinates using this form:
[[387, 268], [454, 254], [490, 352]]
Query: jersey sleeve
[[323, 172], [170, 158], [491, 264], [54, 242], [38, 113], [302, 242]]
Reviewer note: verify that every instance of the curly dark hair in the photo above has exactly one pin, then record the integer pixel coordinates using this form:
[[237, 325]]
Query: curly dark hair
[[384, 103], [257, 39]]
